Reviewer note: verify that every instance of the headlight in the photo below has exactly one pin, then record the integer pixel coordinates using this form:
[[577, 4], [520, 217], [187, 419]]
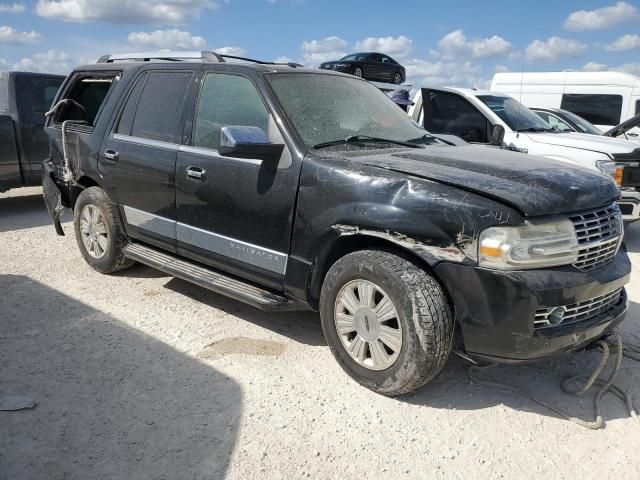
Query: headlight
[[612, 169], [536, 244], [342, 65]]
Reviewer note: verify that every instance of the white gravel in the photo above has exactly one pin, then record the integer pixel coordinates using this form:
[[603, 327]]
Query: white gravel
[[139, 376]]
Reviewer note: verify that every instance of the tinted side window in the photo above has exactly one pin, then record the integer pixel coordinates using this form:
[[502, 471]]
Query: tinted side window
[[597, 109], [159, 112], [126, 119], [226, 100], [637, 107], [450, 113]]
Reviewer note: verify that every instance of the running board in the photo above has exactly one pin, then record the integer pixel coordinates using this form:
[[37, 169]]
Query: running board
[[208, 279]]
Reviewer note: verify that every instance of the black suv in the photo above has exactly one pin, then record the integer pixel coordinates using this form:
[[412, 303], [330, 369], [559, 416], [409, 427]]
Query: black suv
[[293, 188]]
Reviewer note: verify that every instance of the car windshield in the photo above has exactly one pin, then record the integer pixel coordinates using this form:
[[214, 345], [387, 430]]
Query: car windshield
[[331, 108], [582, 124], [349, 57], [518, 117]]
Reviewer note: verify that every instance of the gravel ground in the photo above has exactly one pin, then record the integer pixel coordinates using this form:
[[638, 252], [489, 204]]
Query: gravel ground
[[139, 375]]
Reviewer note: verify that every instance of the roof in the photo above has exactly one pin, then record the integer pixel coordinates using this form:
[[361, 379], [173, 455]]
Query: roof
[[586, 78]]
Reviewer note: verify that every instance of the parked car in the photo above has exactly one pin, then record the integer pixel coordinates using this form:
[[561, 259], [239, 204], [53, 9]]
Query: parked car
[[566, 121], [24, 98], [623, 129], [603, 98], [370, 66], [492, 118], [294, 188]]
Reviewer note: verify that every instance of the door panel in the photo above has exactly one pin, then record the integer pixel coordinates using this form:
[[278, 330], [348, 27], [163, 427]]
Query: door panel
[[236, 214]]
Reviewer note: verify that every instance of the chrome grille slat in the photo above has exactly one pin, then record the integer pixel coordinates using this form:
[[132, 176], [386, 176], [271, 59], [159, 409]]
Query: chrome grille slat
[[598, 233], [579, 311]]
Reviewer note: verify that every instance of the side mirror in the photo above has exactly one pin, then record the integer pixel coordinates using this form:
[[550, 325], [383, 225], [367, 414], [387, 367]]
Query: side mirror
[[497, 135], [248, 142]]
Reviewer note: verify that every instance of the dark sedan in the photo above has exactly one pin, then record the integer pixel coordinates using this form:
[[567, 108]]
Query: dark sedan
[[370, 66]]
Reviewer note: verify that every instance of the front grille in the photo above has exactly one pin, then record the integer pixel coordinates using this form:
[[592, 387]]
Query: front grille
[[578, 312], [599, 233]]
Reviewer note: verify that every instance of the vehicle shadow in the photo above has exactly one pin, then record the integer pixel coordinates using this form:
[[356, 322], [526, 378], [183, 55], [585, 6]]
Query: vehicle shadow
[[111, 401], [22, 211], [303, 327], [453, 389]]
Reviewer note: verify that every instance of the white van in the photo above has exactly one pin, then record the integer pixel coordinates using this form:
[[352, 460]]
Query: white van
[[492, 118], [605, 99]]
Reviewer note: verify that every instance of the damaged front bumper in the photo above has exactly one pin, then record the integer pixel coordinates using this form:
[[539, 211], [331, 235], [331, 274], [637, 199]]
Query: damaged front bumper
[[527, 315], [52, 196]]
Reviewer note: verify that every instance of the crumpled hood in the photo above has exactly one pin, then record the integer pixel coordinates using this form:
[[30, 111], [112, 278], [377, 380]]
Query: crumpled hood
[[584, 141], [532, 185]]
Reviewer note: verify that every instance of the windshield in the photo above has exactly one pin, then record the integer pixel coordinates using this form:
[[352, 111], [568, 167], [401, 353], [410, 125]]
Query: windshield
[[330, 108], [518, 117], [582, 124]]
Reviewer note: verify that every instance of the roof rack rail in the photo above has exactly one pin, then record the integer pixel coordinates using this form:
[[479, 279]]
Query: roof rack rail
[[209, 57], [205, 56]]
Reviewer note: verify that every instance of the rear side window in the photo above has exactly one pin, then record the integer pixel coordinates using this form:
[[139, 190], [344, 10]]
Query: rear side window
[[159, 111], [34, 96], [86, 94], [226, 100], [449, 113], [597, 109], [128, 113]]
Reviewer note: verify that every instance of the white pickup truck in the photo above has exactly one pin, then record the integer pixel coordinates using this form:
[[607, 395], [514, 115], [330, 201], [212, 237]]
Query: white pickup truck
[[492, 118]]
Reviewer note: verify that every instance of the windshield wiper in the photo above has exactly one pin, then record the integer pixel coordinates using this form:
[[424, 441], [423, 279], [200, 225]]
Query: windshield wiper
[[536, 129], [364, 138]]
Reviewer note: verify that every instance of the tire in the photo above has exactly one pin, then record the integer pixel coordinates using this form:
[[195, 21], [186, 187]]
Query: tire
[[397, 78], [357, 72], [105, 235], [424, 319]]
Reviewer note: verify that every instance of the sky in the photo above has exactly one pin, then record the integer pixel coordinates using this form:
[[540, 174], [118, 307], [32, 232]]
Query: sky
[[458, 43]]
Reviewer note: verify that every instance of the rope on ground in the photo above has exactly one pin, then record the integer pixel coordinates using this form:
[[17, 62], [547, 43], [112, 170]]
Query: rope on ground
[[573, 385]]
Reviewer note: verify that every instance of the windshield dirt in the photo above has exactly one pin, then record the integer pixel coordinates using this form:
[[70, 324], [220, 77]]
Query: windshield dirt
[[329, 108], [514, 114]]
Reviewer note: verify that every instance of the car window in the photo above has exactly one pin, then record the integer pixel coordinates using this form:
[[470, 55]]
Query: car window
[[518, 117], [637, 107], [34, 96], [88, 92], [450, 113], [373, 57], [349, 57], [598, 109], [385, 59], [4, 93], [581, 124], [226, 100], [555, 122], [159, 112], [126, 119]]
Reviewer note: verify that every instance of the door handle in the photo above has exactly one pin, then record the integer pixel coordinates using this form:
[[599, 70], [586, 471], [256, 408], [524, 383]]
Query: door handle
[[111, 155], [196, 173]]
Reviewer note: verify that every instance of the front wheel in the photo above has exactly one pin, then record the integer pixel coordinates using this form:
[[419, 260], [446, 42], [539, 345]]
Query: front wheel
[[387, 322], [397, 78], [98, 233], [357, 72]]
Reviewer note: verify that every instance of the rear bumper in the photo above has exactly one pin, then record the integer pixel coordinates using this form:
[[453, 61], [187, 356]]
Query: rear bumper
[[496, 310], [629, 204], [52, 197]]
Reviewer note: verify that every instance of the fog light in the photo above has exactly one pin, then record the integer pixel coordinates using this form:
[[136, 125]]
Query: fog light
[[556, 317]]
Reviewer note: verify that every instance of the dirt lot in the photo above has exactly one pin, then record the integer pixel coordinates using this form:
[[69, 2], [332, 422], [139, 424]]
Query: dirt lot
[[139, 375]]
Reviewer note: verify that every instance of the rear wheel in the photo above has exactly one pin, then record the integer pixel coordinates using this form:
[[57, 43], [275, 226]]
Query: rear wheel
[[387, 322], [357, 72], [98, 233]]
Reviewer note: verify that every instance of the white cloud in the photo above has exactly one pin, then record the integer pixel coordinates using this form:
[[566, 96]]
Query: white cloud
[[456, 43], [318, 51], [51, 61], [593, 67], [633, 68], [283, 59], [12, 7], [13, 36], [235, 51], [601, 18], [553, 49], [625, 42], [172, 39], [395, 46], [128, 11], [424, 73]]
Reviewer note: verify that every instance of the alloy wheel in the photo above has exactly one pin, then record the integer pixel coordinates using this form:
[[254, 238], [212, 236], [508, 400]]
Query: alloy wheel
[[368, 325], [93, 231]]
